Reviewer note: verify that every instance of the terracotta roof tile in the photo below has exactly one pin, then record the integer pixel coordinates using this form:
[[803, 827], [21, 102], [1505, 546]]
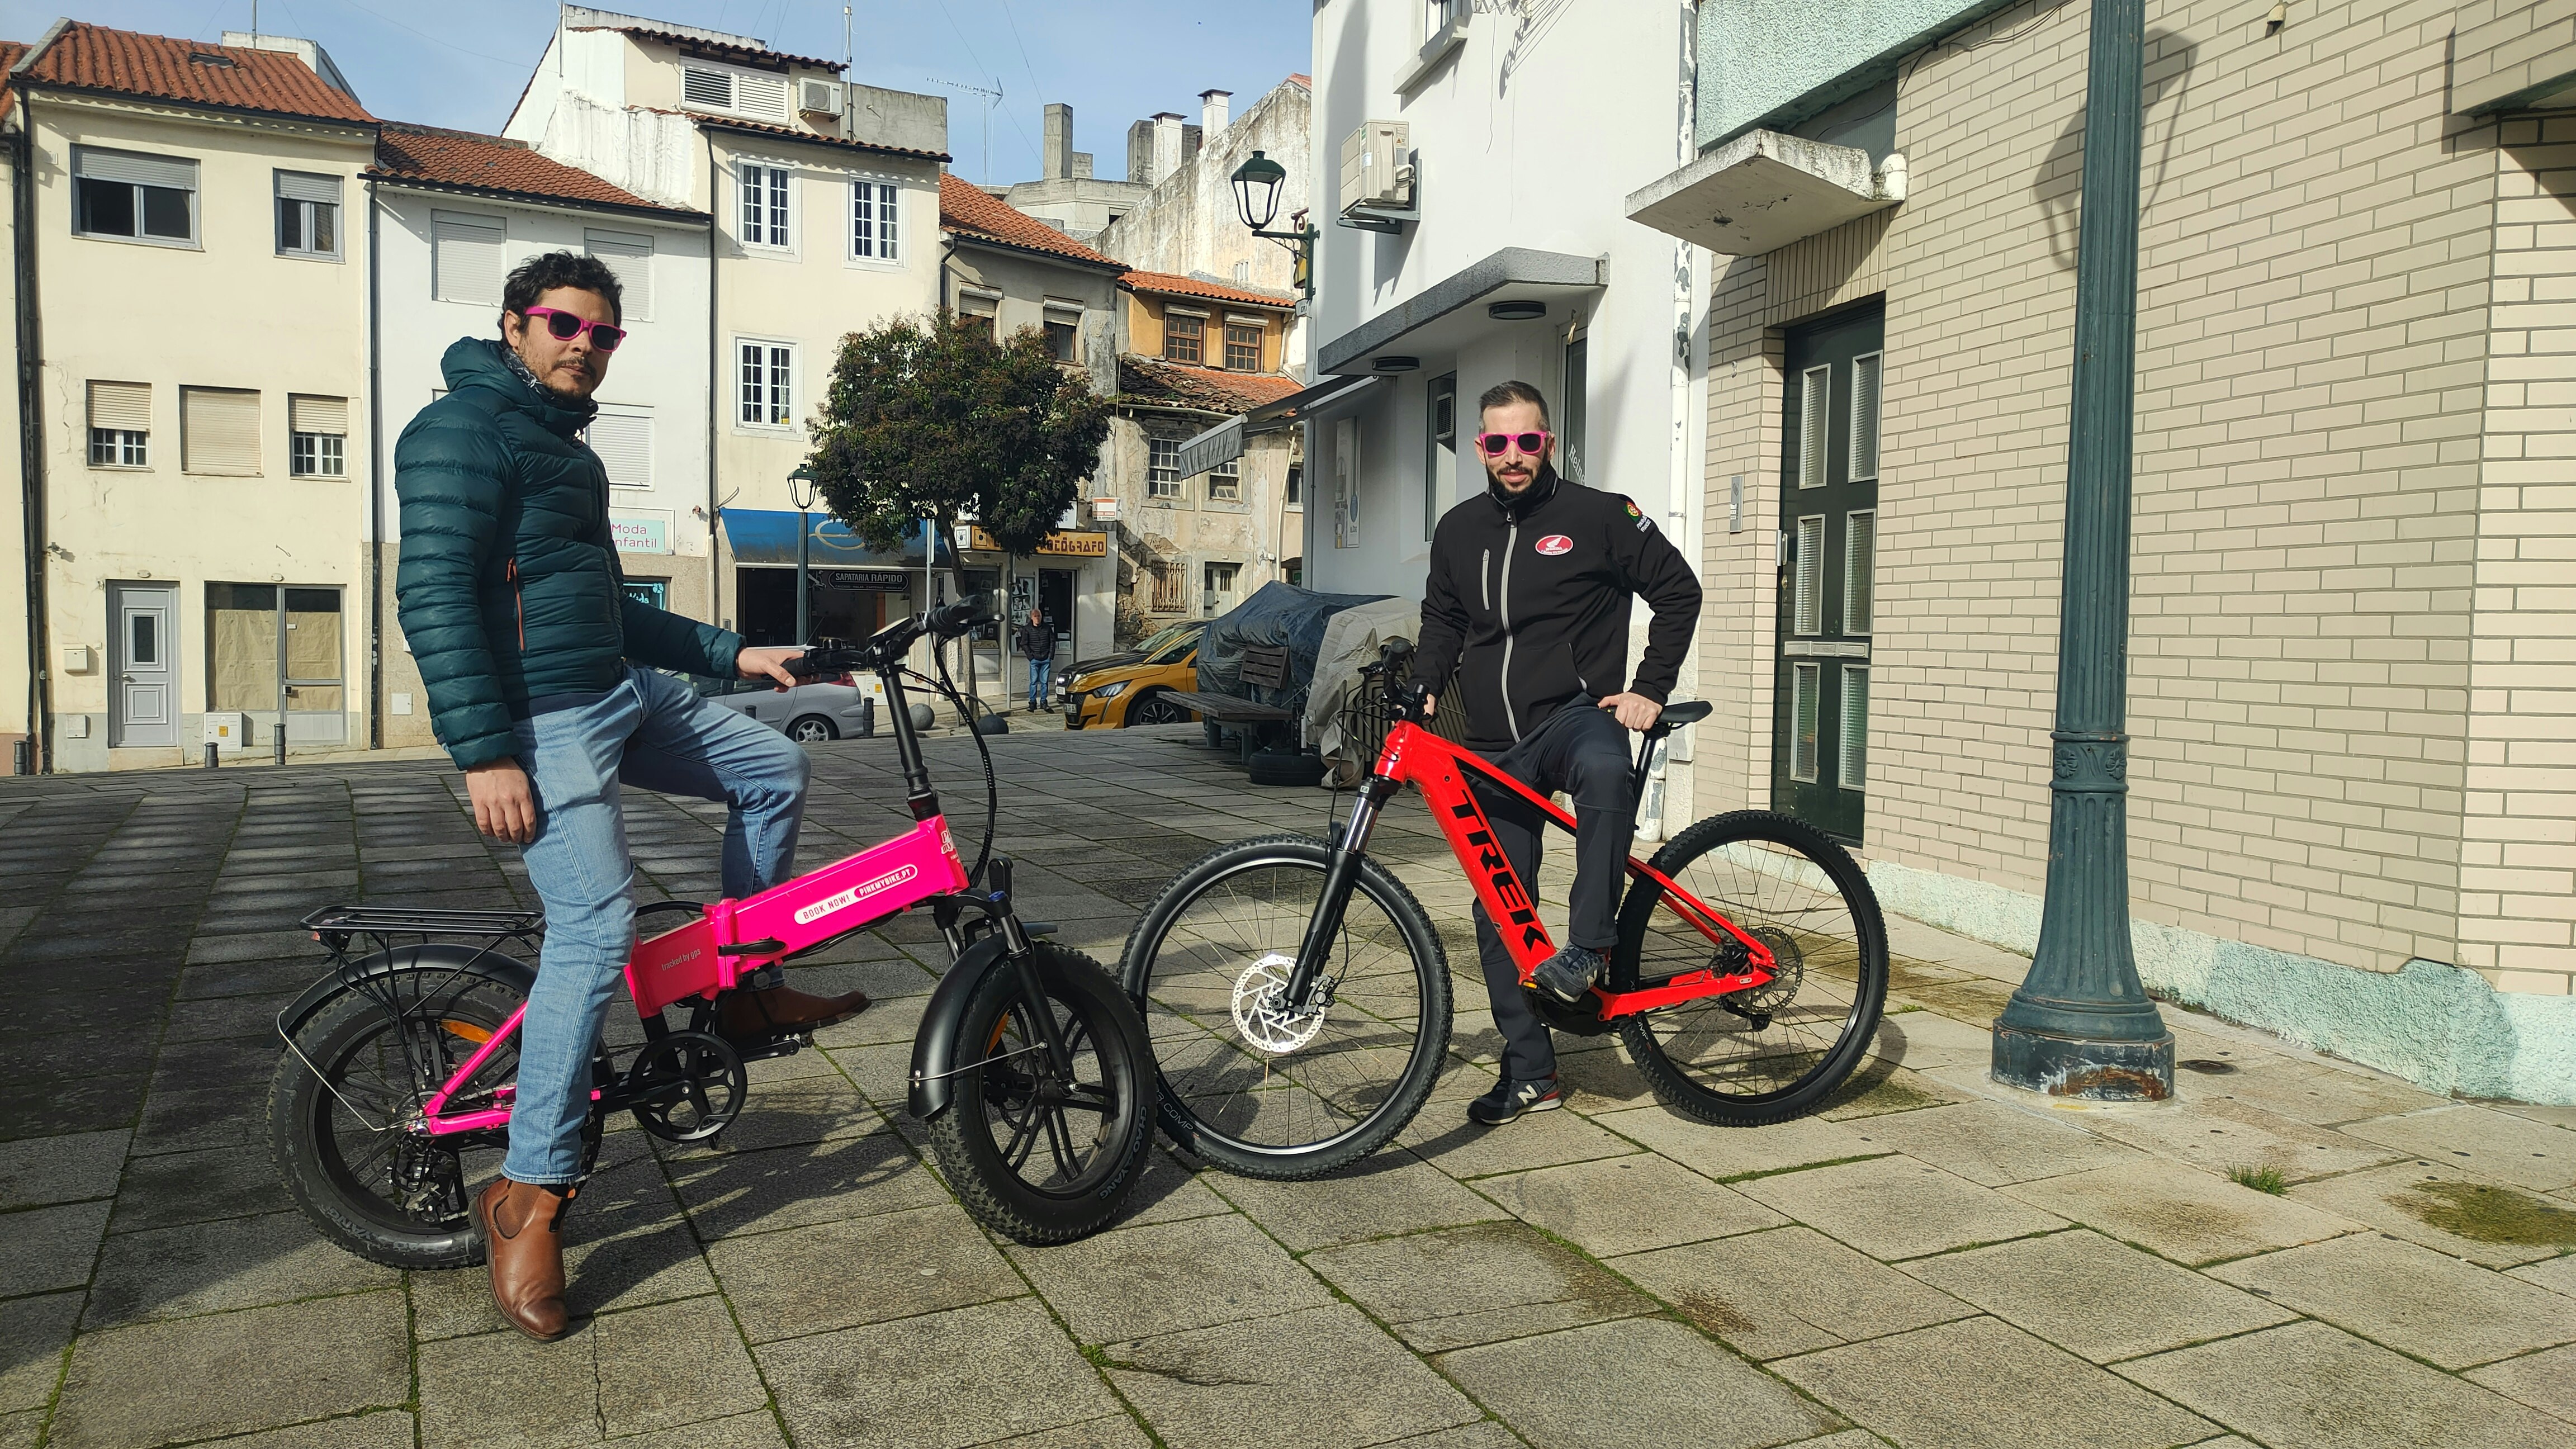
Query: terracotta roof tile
[[488, 163], [790, 133], [1166, 284], [11, 52], [1304, 80], [93, 57], [969, 209], [1149, 379], [718, 49]]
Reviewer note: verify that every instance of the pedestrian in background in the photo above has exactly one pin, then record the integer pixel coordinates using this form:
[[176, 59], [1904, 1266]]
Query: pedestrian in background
[[1037, 645]]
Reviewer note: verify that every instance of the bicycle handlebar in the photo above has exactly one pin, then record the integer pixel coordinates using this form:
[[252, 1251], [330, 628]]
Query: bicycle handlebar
[[885, 648]]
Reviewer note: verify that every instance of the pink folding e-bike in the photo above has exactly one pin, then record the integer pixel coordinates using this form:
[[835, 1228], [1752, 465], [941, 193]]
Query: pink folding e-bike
[[1031, 1069]]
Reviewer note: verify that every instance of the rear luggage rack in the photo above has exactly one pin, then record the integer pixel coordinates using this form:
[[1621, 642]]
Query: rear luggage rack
[[336, 924]]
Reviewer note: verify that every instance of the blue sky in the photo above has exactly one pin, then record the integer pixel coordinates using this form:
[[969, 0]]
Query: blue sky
[[461, 63]]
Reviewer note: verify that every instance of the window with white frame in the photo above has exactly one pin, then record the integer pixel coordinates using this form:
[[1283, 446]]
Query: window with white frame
[[876, 220], [767, 195], [630, 256], [1063, 331], [766, 373], [1162, 468], [130, 196], [317, 436], [706, 87], [1225, 480], [120, 425], [308, 215], [623, 439], [466, 261]]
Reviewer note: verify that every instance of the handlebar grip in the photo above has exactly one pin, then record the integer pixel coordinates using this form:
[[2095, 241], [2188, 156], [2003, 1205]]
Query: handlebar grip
[[949, 620]]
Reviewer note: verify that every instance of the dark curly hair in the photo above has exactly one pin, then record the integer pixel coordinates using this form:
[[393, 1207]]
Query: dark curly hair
[[543, 273]]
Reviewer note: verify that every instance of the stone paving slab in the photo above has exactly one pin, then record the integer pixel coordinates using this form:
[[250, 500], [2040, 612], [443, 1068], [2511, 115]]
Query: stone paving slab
[[810, 1280]]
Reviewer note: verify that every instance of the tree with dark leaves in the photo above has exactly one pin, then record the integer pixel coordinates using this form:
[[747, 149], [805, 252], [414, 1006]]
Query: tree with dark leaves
[[933, 417]]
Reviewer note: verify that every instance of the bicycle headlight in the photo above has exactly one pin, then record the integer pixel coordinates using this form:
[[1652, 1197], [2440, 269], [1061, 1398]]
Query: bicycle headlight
[[1110, 691]]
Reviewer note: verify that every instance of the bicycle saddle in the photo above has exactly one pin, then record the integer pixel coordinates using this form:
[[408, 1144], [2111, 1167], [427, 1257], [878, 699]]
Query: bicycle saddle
[[1688, 712]]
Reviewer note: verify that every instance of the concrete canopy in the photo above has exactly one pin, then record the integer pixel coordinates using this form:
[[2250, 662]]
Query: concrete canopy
[[1439, 317], [1760, 192]]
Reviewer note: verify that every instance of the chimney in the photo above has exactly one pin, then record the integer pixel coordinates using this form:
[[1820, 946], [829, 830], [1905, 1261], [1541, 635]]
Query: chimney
[[1082, 165], [1059, 142], [1212, 110]]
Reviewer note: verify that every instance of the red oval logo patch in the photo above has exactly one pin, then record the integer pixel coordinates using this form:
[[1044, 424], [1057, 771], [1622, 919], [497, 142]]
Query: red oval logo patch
[[1554, 544]]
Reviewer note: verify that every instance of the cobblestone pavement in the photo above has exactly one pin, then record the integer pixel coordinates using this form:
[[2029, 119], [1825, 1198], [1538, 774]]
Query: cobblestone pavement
[[1922, 1264]]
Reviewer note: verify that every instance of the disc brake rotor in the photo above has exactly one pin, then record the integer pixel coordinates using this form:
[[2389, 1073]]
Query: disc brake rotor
[[1788, 971], [1261, 1009]]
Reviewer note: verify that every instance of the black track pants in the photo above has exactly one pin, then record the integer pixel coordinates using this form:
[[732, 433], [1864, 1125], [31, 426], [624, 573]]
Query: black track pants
[[1582, 750]]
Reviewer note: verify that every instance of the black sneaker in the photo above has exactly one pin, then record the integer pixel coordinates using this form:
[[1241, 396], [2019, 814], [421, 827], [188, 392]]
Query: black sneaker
[[1510, 1101], [1569, 973]]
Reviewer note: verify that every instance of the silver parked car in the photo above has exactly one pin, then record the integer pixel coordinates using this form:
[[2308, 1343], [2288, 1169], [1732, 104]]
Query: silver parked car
[[826, 709]]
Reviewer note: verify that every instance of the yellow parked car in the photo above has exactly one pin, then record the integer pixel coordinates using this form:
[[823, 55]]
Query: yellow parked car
[[1132, 688]]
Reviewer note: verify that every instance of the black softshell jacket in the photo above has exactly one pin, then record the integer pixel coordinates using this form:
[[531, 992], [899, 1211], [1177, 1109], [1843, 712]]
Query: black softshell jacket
[[1528, 601]]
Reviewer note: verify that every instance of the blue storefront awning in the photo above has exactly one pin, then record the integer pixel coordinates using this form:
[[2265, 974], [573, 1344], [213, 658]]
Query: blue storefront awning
[[768, 536]]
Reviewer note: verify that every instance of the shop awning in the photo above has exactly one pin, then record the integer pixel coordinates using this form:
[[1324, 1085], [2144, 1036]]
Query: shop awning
[[1224, 442], [768, 536]]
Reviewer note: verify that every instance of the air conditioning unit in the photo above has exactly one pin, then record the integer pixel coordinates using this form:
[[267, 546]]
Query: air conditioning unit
[[818, 97], [1377, 168]]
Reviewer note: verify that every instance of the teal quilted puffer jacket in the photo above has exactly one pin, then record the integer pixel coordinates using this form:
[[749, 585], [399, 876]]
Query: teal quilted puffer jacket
[[509, 587]]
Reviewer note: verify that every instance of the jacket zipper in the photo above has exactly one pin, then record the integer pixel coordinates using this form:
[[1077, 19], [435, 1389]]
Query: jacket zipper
[[1511, 543], [519, 602], [1485, 578]]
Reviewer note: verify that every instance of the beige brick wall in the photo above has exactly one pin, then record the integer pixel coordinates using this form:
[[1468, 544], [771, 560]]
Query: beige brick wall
[[2313, 405], [2518, 858]]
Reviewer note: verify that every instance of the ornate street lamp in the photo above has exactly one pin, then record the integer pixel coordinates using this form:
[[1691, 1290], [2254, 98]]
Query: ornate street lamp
[[1257, 184], [802, 492]]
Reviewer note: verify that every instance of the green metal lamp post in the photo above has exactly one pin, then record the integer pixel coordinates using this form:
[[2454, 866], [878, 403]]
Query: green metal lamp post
[[2081, 1025], [1256, 199], [802, 492]]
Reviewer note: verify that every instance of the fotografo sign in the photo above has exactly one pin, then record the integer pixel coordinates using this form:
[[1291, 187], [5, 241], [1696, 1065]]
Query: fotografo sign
[[1058, 545]]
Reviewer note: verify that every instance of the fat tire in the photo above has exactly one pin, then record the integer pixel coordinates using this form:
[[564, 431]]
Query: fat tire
[[1431, 972], [1673, 1086], [295, 1098], [989, 1189]]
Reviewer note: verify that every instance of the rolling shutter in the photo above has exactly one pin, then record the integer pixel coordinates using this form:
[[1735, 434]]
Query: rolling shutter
[[624, 443], [135, 168], [306, 186], [126, 406], [467, 258], [326, 415], [219, 431], [631, 258]]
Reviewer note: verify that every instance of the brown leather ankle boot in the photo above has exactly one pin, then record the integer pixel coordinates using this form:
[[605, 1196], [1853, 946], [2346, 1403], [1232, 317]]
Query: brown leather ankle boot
[[523, 1237], [746, 1015]]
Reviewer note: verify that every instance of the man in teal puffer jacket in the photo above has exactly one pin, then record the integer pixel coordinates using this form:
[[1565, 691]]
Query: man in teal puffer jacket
[[544, 685]]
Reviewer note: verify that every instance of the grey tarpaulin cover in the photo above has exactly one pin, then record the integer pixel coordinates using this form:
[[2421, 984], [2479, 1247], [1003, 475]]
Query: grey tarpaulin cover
[[1351, 640], [1276, 614]]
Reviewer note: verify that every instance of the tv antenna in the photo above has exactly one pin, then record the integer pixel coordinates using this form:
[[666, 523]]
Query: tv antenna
[[992, 97]]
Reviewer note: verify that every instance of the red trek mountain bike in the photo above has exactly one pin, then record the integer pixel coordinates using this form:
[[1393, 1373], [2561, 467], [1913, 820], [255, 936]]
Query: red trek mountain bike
[[1299, 996], [391, 1102]]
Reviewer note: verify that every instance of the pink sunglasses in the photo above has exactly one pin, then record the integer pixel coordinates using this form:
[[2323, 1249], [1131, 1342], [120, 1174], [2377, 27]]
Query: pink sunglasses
[[1495, 443], [564, 326]]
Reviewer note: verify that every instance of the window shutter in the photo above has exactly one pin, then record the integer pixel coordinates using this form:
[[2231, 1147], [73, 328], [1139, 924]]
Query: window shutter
[[706, 87], [1864, 431], [329, 415], [467, 260], [1851, 764], [1860, 561], [1817, 385], [624, 443], [1805, 701], [305, 186], [631, 258], [219, 431], [760, 95], [123, 405], [140, 170], [1807, 609]]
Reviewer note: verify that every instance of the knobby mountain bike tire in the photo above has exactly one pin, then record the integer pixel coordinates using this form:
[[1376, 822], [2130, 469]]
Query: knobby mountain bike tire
[[1026, 1158], [353, 1071], [1780, 1050], [1246, 1082]]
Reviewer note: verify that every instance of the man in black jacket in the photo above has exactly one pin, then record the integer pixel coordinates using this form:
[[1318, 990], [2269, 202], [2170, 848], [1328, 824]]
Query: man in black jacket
[[1528, 600]]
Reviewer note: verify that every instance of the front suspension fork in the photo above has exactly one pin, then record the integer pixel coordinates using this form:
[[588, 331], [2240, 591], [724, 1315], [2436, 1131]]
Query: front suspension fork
[[1316, 950]]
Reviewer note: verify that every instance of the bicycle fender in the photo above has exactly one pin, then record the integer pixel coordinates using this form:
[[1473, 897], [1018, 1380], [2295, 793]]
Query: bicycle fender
[[934, 1045], [498, 966]]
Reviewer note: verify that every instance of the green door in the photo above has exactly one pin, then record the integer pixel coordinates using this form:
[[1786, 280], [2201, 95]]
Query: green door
[[1829, 543]]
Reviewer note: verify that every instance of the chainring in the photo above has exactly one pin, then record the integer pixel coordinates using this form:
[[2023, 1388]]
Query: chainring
[[1261, 1012], [686, 1086]]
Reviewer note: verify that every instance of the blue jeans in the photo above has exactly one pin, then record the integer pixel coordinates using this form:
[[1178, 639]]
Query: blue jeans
[[655, 733], [1039, 669]]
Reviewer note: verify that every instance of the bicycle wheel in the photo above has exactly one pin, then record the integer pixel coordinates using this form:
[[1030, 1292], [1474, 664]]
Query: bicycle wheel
[[1028, 1158], [1249, 1086], [353, 1074], [1755, 1057]]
